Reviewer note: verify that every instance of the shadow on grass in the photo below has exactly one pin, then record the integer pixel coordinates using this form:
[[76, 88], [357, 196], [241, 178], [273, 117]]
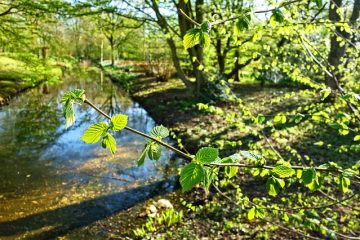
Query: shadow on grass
[[58, 222]]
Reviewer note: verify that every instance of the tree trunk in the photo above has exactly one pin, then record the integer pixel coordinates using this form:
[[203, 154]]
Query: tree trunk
[[337, 51], [112, 55], [161, 21], [237, 65], [195, 53]]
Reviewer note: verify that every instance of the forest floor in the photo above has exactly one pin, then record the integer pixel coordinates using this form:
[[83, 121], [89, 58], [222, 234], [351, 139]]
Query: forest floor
[[214, 215], [19, 73], [170, 104]]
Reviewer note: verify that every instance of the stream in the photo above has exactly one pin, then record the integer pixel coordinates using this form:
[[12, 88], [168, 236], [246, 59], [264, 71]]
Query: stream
[[52, 183]]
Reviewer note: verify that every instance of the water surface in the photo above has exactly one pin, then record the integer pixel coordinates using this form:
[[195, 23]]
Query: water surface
[[51, 183]]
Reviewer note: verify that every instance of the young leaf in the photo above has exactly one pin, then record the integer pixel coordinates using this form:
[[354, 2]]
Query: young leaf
[[250, 155], [207, 155], [205, 27], [326, 92], [94, 132], [159, 132], [318, 3], [231, 171], [109, 142], [191, 38], [310, 179], [283, 171], [260, 118], [154, 151], [242, 24], [343, 183], [141, 159], [68, 99], [204, 39], [251, 213], [280, 118], [276, 17], [69, 114], [76, 95], [274, 186], [357, 138], [191, 175], [118, 122]]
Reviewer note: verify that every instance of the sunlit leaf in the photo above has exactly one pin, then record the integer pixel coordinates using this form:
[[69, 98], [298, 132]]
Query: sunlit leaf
[[154, 151], [118, 122], [109, 142], [205, 27], [191, 175], [207, 155], [283, 171], [251, 213], [142, 157], [159, 132], [94, 132], [274, 186], [191, 38]]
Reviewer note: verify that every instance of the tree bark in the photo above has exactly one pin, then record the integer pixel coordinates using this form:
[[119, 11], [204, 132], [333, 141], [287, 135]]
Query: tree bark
[[337, 51], [161, 21], [195, 53]]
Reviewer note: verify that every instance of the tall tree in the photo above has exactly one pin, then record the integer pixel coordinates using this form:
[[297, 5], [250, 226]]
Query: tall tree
[[337, 48]]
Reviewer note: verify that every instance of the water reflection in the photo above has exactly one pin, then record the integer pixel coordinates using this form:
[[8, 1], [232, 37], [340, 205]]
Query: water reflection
[[43, 166]]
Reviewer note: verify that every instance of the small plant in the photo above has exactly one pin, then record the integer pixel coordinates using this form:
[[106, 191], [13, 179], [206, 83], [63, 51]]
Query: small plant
[[168, 218]]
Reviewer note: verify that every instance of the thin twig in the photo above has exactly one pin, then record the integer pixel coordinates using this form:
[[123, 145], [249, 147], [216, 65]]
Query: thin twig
[[259, 11], [142, 134], [188, 18]]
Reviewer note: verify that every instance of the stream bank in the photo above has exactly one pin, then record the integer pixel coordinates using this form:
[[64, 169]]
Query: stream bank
[[53, 185]]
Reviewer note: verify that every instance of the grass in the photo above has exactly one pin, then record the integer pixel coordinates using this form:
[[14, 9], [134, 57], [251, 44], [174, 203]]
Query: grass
[[19, 72]]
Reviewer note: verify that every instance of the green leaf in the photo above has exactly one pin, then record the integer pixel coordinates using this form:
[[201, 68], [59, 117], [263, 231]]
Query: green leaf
[[283, 171], [141, 159], [204, 39], [326, 92], [76, 95], [357, 138], [231, 171], [310, 179], [118, 122], [242, 23], [280, 118], [69, 114], [159, 132], [274, 186], [109, 142], [206, 155], [191, 38], [260, 118], [250, 155], [260, 213], [154, 151], [343, 183], [251, 213], [94, 132], [298, 117], [191, 175], [68, 99], [318, 3], [276, 17], [205, 27], [308, 175]]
